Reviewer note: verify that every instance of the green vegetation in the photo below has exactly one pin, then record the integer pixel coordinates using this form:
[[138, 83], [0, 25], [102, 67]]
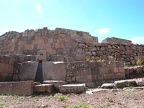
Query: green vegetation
[[110, 100], [89, 59], [99, 106], [139, 62], [1, 105], [125, 64], [50, 96], [61, 97], [129, 85], [79, 106]]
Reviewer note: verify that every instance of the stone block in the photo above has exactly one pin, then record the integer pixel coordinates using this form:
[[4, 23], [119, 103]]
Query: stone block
[[109, 76], [39, 88], [108, 85], [103, 70], [121, 69], [85, 78], [54, 70], [140, 82], [28, 70], [120, 64], [17, 88], [48, 88], [120, 75], [90, 84], [125, 83], [100, 77], [72, 88], [116, 69], [56, 83], [83, 71]]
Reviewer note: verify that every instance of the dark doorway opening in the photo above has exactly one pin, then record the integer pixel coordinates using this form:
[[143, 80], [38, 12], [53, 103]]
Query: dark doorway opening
[[39, 73]]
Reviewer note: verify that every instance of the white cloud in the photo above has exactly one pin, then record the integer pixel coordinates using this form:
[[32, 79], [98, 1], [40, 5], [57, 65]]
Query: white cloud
[[103, 31], [138, 40], [39, 9]]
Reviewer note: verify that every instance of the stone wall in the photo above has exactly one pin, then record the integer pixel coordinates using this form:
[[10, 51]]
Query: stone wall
[[114, 40], [129, 53], [93, 72], [6, 67], [52, 44], [134, 71]]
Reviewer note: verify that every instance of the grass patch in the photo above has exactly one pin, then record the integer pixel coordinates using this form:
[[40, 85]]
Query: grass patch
[[129, 85], [99, 106], [61, 97], [50, 96], [78, 106], [110, 100], [1, 105], [139, 62]]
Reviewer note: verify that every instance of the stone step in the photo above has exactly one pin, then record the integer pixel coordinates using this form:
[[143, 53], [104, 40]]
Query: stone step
[[48, 88], [56, 83], [72, 88], [125, 83], [108, 85]]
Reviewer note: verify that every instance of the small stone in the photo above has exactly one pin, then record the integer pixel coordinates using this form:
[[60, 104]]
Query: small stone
[[89, 92]]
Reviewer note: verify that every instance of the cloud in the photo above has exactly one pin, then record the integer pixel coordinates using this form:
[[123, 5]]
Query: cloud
[[39, 9], [138, 40], [103, 31]]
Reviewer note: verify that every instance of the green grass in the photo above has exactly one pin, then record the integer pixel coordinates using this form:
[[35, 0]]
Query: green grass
[[79, 106], [50, 96], [61, 97], [1, 105], [99, 106], [129, 85], [139, 62]]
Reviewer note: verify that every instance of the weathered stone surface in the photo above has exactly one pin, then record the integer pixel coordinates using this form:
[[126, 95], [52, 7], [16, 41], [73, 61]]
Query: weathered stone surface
[[56, 83], [125, 83], [48, 87], [43, 88], [28, 70], [140, 82], [72, 88], [39, 88], [108, 85], [17, 88], [54, 70]]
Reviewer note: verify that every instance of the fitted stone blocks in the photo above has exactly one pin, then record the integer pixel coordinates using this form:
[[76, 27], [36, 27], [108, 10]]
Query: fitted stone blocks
[[17, 88]]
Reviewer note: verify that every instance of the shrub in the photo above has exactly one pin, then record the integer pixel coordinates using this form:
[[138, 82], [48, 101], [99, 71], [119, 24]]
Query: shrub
[[61, 97], [139, 62]]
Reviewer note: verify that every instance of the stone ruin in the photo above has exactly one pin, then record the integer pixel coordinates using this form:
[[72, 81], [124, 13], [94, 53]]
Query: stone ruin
[[60, 56]]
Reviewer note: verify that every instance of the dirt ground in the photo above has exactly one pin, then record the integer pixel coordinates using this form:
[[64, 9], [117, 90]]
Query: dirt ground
[[103, 99]]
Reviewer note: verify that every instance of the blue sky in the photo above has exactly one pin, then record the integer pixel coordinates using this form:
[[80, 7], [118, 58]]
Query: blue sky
[[101, 18]]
